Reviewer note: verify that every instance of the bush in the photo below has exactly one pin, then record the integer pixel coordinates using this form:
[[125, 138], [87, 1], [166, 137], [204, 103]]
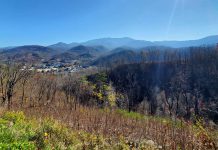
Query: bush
[[15, 132]]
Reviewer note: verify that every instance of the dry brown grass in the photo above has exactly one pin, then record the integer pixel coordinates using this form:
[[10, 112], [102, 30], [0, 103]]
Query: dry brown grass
[[116, 124], [134, 128]]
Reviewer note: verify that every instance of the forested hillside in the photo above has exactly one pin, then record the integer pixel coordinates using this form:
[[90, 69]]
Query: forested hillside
[[143, 105]]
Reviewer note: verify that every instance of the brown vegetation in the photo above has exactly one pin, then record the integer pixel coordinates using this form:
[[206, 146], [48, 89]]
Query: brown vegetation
[[94, 105]]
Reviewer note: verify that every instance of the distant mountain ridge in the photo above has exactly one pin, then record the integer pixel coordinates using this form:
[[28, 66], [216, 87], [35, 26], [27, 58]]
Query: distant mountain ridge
[[112, 43], [27, 53], [60, 46], [94, 49], [210, 40], [80, 52]]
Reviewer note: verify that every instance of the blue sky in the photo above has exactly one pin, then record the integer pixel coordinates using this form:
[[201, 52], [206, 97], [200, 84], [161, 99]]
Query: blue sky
[[49, 21]]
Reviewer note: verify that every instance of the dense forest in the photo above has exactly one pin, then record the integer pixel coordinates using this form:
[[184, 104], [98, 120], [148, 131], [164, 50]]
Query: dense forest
[[175, 84]]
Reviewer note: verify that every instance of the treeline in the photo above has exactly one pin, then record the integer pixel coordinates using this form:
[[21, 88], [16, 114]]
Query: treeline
[[122, 56], [173, 83]]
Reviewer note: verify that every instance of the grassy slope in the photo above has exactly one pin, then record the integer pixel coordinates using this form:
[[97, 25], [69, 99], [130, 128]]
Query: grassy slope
[[20, 132]]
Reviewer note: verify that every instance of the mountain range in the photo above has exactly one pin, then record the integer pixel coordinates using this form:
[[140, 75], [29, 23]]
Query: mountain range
[[106, 48], [28, 53], [112, 43], [79, 52]]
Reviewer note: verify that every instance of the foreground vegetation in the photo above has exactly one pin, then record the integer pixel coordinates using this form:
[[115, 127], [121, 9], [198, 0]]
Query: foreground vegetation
[[99, 129], [18, 132]]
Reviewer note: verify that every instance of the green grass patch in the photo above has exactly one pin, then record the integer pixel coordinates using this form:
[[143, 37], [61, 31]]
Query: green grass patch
[[133, 115]]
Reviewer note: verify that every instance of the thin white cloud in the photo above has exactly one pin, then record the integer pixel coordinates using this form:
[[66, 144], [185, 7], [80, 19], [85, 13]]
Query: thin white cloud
[[171, 18]]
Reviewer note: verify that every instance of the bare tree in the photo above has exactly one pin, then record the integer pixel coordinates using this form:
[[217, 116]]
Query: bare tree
[[10, 75], [24, 81], [71, 88]]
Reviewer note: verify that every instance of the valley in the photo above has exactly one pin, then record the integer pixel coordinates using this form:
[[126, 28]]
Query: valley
[[124, 93]]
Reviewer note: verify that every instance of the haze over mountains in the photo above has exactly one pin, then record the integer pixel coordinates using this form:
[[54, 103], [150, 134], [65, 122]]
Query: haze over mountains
[[29, 53], [112, 43], [90, 50]]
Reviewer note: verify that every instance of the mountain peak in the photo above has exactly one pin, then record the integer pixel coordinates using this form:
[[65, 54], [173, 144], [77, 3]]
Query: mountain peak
[[113, 43]]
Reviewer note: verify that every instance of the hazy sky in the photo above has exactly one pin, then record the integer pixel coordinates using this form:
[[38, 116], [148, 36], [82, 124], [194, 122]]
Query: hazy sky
[[49, 21]]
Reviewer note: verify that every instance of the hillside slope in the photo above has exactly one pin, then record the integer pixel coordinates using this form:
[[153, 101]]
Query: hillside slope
[[129, 131], [28, 53]]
